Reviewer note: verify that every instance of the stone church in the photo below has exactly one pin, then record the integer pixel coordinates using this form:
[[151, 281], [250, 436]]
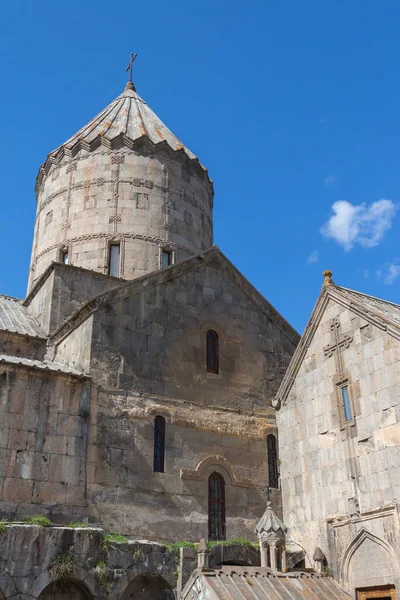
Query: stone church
[[143, 381]]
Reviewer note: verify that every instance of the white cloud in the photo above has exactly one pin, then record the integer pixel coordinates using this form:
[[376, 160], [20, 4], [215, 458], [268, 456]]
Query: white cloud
[[359, 224], [313, 258], [366, 273], [329, 181], [390, 273]]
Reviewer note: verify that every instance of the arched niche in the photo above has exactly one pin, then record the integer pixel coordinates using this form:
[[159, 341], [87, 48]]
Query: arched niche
[[148, 587], [65, 590], [368, 561]]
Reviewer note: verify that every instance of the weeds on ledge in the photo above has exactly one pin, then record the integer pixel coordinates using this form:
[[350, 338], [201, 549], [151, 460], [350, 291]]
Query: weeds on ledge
[[241, 541], [175, 548], [39, 520], [79, 524], [110, 538]]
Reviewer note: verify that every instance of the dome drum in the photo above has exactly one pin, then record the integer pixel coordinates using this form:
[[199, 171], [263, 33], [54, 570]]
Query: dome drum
[[143, 201]]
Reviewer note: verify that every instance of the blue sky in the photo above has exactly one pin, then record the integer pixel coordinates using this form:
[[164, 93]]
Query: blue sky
[[293, 106]]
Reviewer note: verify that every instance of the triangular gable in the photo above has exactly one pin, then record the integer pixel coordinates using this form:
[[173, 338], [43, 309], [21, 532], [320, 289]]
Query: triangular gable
[[380, 313], [156, 278]]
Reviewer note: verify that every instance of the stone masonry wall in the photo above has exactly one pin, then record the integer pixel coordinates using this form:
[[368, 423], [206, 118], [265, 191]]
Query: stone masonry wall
[[43, 442], [100, 566], [143, 202], [335, 472], [155, 365], [64, 288]]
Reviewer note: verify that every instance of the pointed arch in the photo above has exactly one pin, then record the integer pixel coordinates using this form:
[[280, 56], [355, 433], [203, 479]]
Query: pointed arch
[[354, 545]]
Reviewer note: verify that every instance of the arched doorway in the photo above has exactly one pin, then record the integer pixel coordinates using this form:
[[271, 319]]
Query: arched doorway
[[148, 587], [65, 590]]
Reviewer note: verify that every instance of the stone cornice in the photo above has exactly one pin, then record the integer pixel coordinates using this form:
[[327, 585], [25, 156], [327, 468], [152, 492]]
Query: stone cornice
[[121, 141]]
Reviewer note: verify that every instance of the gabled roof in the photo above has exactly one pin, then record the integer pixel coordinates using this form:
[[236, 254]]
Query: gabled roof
[[126, 120], [380, 313], [260, 583], [159, 277], [15, 318]]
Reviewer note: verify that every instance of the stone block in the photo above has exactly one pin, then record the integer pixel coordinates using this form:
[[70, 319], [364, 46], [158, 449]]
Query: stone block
[[17, 488]]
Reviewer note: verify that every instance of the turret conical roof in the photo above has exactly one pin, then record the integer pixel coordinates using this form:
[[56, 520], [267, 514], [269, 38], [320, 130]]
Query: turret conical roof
[[128, 115], [125, 121], [270, 523]]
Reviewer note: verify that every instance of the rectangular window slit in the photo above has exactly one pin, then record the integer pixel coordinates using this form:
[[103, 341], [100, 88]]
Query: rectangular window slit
[[65, 258], [346, 403], [166, 259], [113, 262]]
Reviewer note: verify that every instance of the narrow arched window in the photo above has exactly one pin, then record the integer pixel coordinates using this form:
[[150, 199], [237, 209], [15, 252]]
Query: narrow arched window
[[212, 352], [272, 461], [159, 444], [216, 507]]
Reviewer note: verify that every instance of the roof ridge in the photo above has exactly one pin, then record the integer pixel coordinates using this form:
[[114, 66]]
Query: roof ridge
[[340, 287], [372, 314]]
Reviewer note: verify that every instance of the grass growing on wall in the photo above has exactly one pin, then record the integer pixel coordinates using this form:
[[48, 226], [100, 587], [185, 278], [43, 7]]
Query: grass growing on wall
[[63, 567], [39, 520], [111, 538], [101, 573], [3, 525], [175, 548]]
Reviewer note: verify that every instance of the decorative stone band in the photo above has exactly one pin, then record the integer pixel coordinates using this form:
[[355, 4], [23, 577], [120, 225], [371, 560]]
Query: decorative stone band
[[199, 472], [141, 145], [131, 236]]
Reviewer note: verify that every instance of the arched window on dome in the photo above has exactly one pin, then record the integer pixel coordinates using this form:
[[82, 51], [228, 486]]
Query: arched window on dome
[[212, 352], [216, 507], [159, 445], [272, 461]]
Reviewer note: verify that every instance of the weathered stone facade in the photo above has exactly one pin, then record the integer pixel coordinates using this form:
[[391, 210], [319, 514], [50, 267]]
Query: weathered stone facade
[[88, 361], [84, 446], [339, 465]]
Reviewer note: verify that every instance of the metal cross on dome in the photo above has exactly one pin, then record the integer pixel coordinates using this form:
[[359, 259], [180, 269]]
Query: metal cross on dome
[[129, 67]]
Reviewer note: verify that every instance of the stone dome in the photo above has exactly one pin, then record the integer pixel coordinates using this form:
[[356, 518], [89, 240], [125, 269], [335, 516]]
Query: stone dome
[[123, 181]]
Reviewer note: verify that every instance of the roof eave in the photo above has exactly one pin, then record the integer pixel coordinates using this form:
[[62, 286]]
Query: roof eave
[[115, 143]]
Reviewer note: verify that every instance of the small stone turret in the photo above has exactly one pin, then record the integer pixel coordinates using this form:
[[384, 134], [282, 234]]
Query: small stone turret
[[319, 559], [203, 555], [271, 533]]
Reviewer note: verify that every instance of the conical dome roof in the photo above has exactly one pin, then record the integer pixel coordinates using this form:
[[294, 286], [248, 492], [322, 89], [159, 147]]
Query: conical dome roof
[[270, 523], [124, 121]]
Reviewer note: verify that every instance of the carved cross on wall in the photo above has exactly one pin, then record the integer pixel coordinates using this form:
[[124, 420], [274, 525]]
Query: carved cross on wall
[[339, 343]]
